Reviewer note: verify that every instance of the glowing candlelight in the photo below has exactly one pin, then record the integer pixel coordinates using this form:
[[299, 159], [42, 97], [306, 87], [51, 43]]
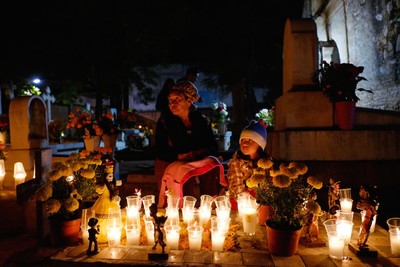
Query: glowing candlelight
[[249, 217], [395, 241], [346, 204], [218, 239], [172, 235], [195, 237], [205, 214], [19, 173]]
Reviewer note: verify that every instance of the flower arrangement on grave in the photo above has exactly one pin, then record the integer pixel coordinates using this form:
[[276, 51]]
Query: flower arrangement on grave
[[267, 115], [286, 189], [69, 183], [84, 122], [108, 123], [339, 81], [127, 119], [220, 113], [139, 138], [4, 123]]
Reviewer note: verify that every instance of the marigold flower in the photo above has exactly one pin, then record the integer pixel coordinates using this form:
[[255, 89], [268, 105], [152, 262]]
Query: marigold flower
[[314, 182], [300, 167], [44, 192], [258, 178], [265, 163], [52, 206], [274, 172], [313, 207], [54, 175], [290, 172], [71, 204], [89, 174], [281, 181]]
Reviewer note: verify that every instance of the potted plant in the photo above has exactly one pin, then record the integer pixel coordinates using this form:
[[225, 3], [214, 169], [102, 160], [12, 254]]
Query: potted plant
[[339, 83], [267, 115], [4, 128], [110, 128], [291, 197], [220, 117], [88, 129], [70, 183]]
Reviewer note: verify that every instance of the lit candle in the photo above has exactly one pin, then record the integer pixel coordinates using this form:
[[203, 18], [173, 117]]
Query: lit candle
[[249, 217], [19, 173], [172, 235], [113, 235], [346, 204], [132, 234], [218, 239], [132, 216], [223, 212], [187, 214], [395, 241], [336, 246], [345, 229], [205, 214], [195, 237]]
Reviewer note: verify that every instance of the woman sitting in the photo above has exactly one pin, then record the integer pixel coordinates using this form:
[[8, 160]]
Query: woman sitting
[[186, 148]]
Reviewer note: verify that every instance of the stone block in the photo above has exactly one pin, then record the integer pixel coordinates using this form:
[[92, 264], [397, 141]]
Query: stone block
[[299, 109]]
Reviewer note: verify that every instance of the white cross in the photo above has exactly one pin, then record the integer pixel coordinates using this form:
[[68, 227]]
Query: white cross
[[48, 99]]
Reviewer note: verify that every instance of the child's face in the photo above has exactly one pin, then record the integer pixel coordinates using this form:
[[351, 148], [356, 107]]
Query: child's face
[[248, 147]]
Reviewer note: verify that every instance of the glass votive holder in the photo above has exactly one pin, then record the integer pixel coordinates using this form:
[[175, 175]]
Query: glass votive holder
[[132, 234], [372, 229], [393, 223], [217, 239], [220, 223], [345, 229], [395, 241], [149, 226], [172, 235], [346, 204], [173, 202], [195, 237], [114, 217], [187, 214], [222, 201], [249, 219], [205, 214], [147, 201], [336, 245], [134, 202], [206, 200], [132, 216], [345, 215], [114, 235], [223, 212], [345, 193], [330, 225], [242, 200]]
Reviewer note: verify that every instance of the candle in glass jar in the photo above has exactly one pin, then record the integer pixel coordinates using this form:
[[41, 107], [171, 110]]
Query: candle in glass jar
[[346, 204], [249, 217], [345, 228], [195, 237], [132, 235], [113, 235], [218, 239], [172, 235], [336, 246], [395, 241], [205, 214]]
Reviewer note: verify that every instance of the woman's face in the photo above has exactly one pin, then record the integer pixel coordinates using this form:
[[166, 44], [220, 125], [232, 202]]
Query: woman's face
[[248, 147], [178, 103]]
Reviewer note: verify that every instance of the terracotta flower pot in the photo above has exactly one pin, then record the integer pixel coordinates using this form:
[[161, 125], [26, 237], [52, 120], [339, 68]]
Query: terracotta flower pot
[[263, 214], [92, 143], [282, 242], [64, 233]]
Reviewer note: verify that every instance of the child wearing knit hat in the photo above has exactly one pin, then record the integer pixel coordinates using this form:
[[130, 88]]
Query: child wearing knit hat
[[252, 142]]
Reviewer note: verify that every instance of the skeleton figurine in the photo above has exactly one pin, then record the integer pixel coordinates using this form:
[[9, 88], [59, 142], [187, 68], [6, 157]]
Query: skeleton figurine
[[368, 203], [158, 222], [333, 197]]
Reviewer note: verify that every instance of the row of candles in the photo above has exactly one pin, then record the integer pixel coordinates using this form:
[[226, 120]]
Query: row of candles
[[339, 229], [196, 219], [19, 173]]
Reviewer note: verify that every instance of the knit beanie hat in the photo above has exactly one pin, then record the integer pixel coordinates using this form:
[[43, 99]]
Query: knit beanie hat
[[188, 89], [255, 131]]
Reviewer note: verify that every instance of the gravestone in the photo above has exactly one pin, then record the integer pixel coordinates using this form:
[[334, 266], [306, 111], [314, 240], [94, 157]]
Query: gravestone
[[302, 104]]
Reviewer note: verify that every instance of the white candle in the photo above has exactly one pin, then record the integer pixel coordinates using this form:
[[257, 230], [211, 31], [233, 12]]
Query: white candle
[[346, 204], [172, 235], [218, 239], [249, 217], [223, 212], [85, 236], [132, 235], [205, 214], [345, 229], [113, 235], [395, 241], [336, 247], [195, 237], [187, 214], [132, 216]]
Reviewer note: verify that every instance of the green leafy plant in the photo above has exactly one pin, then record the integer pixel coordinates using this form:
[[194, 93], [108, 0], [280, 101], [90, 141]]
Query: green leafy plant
[[339, 81], [267, 115], [285, 188], [220, 112]]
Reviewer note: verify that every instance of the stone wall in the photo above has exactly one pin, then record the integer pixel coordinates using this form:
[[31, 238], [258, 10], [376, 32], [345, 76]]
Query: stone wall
[[367, 33]]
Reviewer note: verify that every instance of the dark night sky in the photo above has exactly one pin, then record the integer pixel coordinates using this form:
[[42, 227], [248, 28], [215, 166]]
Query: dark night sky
[[58, 38]]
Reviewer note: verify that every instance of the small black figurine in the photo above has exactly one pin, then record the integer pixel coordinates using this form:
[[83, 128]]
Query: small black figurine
[[158, 224], [93, 231]]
